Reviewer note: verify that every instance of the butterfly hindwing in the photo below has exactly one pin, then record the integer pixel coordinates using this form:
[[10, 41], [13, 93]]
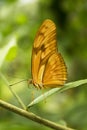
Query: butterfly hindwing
[[55, 71]]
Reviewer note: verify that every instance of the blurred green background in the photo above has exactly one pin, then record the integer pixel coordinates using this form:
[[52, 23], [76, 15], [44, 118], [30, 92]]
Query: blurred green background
[[19, 22]]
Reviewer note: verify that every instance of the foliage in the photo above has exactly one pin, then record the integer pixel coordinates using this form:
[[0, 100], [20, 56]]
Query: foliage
[[19, 22]]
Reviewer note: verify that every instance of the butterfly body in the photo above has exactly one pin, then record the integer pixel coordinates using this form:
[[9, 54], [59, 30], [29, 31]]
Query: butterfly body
[[48, 66]]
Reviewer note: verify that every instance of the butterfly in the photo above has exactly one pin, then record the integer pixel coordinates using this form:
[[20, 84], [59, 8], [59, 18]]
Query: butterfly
[[48, 67]]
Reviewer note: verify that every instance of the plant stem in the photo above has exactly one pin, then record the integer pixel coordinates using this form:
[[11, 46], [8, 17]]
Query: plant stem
[[32, 116]]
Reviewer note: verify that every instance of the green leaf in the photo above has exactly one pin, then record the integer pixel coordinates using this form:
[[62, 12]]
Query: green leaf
[[12, 53], [4, 51], [59, 90]]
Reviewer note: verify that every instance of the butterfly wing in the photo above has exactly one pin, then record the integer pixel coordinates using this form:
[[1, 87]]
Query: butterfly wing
[[44, 48], [55, 73]]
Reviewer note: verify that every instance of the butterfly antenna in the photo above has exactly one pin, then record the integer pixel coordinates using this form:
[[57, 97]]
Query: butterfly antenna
[[18, 82]]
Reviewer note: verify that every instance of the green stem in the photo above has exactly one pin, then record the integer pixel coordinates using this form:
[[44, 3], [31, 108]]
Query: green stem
[[13, 92], [33, 117]]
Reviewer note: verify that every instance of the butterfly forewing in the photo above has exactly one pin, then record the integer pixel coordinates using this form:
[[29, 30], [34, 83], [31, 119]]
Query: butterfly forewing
[[48, 67]]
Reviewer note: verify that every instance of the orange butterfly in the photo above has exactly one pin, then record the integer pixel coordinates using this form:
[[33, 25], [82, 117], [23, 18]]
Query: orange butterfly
[[48, 67]]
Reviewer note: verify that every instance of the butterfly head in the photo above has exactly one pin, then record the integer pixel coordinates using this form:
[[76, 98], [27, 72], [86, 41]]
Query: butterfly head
[[38, 86]]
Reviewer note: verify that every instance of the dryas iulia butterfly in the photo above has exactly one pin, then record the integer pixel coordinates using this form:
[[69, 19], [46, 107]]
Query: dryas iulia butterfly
[[48, 66]]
